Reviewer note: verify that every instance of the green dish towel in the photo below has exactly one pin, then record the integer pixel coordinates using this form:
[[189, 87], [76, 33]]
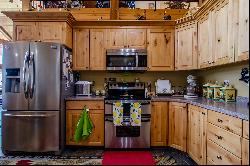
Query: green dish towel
[[84, 126]]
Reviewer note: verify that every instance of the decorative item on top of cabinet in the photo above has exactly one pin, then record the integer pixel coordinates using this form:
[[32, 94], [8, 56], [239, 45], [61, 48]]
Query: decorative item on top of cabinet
[[96, 111], [81, 49], [159, 124], [160, 49], [243, 34], [197, 134], [178, 126], [186, 46], [98, 49]]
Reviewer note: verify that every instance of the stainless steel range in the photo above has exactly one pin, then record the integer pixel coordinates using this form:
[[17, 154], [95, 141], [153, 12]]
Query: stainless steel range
[[126, 135]]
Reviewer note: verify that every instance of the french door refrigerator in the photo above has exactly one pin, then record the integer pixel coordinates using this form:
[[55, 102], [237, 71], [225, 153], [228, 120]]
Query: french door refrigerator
[[37, 77]]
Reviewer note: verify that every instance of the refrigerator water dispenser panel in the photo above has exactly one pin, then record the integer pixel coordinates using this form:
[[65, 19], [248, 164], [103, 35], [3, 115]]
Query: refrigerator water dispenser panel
[[12, 83]]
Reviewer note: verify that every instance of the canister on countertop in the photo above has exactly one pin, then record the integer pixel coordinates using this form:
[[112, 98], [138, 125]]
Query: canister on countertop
[[216, 91], [228, 94], [204, 89]]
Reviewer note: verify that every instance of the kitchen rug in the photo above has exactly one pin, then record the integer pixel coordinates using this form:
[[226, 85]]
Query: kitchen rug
[[128, 158]]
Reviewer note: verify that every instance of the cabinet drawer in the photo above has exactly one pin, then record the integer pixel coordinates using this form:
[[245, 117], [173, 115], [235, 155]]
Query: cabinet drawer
[[227, 140], [226, 122], [246, 129], [219, 156], [94, 105]]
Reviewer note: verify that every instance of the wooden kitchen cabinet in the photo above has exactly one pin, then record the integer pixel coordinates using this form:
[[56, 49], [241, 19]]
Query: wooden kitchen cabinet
[[243, 31], [81, 49], [178, 126], [186, 46], [159, 124], [59, 32], [126, 38], [74, 109], [245, 143], [98, 49], [160, 49], [197, 133]]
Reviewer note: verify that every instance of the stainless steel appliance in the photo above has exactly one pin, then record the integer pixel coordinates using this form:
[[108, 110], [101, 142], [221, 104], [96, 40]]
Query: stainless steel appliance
[[126, 59], [83, 88], [36, 79], [127, 136]]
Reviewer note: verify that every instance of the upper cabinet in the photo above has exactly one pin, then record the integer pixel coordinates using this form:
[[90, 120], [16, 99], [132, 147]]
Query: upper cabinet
[[186, 46], [126, 38], [59, 32], [243, 34], [160, 49]]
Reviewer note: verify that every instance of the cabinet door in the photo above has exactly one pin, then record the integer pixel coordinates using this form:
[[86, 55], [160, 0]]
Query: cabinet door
[[117, 38], [223, 52], [186, 47], [97, 136], [136, 38], [245, 151], [178, 126], [243, 37], [160, 49], [205, 35], [81, 49], [159, 124], [51, 31], [98, 49], [25, 31], [197, 120]]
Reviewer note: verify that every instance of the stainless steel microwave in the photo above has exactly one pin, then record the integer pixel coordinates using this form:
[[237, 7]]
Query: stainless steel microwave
[[126, 59]]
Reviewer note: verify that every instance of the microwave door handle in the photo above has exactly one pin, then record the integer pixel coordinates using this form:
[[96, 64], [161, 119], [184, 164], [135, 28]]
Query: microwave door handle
[[25, 79]]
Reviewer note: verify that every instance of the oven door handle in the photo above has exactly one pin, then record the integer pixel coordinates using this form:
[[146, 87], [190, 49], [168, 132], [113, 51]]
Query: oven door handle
[[145, 120], [142, 102], [109, 119]]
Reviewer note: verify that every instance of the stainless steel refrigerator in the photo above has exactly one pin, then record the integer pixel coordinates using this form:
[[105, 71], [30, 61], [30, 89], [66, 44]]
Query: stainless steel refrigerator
[[37, 77]]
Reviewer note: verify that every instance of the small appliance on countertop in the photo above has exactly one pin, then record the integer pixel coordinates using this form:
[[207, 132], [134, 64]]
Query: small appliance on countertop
[[163, 87], [83, 88]]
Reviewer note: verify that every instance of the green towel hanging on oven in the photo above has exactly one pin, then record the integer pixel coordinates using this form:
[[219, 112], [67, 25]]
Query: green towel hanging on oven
[[84, 126]]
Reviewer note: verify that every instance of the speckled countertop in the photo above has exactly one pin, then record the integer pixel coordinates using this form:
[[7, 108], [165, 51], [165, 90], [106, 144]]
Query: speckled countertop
[[239, 109]]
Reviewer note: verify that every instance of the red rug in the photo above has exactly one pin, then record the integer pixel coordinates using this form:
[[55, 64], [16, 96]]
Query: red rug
[[128, 158]]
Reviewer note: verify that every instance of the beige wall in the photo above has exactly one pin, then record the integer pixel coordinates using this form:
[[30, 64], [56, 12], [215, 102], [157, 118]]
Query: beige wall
[[229, 72], [176, 78]]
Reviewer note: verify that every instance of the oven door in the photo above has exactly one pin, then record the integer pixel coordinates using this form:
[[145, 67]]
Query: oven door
[[127, 136]]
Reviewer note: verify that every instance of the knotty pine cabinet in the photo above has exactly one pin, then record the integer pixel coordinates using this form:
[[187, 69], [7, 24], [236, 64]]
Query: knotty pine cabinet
[[243, 31], [178, 125], [89, 49], [59, 32], [245, 143], [160, 49], [186, 46], [126, 38], [73, 113], [197, 134], [159, 123]]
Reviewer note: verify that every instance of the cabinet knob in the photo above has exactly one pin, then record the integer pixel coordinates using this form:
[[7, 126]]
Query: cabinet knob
[[203, 113], [218, 40], [219, 157], [208, 62], [213, 61], [219, 120]]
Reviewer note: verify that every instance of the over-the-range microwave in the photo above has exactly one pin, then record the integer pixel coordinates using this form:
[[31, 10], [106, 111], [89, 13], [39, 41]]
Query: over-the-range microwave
[[126, 59]]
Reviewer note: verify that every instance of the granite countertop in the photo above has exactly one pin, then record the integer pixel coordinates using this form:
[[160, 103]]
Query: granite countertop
[[85, 98], [239, 109]]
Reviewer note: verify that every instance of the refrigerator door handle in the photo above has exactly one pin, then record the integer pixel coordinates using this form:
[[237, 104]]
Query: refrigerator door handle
[[25, 68], [34, 116], [32, 75]]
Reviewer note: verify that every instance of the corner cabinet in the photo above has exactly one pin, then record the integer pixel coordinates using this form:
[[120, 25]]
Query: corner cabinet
[[160, 49], [178, 125], [73, 113], [59, 32], [197, 127], [186, 46], [159, 123]]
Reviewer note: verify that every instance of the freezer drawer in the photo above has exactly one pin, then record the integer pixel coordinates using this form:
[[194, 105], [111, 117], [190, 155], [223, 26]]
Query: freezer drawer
[[30, 131]]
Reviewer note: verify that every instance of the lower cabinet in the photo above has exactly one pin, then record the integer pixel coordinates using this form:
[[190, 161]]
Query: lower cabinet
[[197, 126], [245, 151], [178, 125], [159, 124], [97, 116]]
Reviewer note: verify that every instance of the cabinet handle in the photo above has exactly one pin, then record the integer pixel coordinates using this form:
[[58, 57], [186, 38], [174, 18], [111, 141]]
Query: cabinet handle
[[128, 46], [219, 137], [219, 157], [219, 120], [203, 113], [209, 62], [213, 61]]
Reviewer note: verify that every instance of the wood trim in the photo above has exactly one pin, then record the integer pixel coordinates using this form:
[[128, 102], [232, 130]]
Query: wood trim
[[114, 9]]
